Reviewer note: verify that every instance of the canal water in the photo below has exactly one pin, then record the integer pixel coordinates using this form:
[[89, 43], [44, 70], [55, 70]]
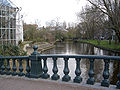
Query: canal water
[[69, 47]]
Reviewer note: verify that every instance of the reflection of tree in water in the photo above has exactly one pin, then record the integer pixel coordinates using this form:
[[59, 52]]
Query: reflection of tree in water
[[98, 65], [85, 64], [114, 79], [98, 69], [84, 69], [116, 68]]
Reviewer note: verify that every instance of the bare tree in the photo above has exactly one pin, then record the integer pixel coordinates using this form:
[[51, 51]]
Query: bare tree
[[92, 20], [112, 9]]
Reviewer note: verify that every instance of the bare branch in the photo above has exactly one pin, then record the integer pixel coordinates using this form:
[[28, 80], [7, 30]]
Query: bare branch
[[101, 9]]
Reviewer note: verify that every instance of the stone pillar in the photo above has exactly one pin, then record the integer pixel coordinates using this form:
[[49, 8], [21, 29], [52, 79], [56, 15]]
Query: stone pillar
[[36, 65]]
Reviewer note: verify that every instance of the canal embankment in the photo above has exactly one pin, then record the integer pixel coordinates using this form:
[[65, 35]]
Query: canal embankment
[[106, 45], [42, 46]]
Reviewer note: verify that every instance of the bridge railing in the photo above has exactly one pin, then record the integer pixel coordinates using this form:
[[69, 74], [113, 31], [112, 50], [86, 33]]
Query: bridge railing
[[15, 66], [31, 66]]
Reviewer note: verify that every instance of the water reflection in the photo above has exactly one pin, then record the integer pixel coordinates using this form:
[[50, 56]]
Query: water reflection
[[82, 48]]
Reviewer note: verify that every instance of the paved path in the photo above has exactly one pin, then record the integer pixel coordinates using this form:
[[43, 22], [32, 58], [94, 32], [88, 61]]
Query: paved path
[[15, 83]]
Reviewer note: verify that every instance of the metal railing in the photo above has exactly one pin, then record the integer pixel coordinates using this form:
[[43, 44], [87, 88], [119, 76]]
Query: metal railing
[[33, 67]]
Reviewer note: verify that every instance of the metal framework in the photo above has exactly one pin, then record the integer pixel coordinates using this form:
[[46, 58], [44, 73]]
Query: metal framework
[[8, 23]]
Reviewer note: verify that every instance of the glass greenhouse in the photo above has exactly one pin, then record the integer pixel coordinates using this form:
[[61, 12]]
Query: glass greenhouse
[[11, 31]]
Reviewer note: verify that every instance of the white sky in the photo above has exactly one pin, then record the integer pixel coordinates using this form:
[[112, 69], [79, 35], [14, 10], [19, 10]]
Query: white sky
[[46, 10]]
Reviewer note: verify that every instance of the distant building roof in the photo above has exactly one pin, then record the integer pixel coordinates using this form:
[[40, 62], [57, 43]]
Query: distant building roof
[[7, 3]]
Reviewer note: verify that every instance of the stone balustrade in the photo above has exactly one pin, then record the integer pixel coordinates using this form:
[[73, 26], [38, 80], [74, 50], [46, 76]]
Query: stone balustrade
[[31, 67]]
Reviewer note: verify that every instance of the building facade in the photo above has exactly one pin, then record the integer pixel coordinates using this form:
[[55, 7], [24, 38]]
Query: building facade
[[11, 29]]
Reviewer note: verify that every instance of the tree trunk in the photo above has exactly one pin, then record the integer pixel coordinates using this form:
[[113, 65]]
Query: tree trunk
[[119, 39], [118, 36]]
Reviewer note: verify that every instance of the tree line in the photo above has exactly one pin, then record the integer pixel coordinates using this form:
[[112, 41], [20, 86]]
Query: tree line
[[99, 20], [54, 31]]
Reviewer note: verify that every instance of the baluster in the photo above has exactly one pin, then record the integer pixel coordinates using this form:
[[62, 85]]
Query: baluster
[[66, 77], [28, 69], [106, 82], [78, 78], [14, 68], [20, 68], [2, 67], [91, 79], [118, 83], [55, 76], [45, 75], [8, 67]]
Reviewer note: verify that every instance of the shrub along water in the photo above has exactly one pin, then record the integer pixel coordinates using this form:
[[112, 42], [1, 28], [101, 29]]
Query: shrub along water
[[11, 50]]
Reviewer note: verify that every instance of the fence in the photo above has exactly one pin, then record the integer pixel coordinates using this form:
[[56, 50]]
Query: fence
[[33, 67]]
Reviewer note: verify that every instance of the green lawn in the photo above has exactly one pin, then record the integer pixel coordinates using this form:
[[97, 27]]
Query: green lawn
[[104, 44]]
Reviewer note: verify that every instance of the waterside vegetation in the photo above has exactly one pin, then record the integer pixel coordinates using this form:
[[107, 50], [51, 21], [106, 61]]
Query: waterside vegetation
[[110, 45]]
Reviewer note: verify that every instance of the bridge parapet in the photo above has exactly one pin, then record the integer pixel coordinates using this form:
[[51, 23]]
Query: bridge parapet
[[31, 67]]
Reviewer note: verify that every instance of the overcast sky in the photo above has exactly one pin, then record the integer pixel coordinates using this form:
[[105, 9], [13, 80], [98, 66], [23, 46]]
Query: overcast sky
[[46, 10]]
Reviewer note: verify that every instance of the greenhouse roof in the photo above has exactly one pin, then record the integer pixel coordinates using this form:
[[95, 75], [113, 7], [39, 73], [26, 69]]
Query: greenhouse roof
[[7, 3]]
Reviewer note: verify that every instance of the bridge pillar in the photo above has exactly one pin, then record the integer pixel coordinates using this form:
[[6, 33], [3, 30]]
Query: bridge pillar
[[36, 65]]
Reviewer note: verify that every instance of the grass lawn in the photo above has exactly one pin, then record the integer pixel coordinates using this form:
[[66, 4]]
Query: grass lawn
[[104, 43]]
